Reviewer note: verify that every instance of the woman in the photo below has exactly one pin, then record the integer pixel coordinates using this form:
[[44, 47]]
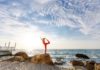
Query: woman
[[45, 42]]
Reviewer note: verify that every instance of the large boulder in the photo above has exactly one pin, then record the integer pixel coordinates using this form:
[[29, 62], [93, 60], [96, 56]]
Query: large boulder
[[23, 54], [90, 65], [97, 66], [42, 59], [20, 56]]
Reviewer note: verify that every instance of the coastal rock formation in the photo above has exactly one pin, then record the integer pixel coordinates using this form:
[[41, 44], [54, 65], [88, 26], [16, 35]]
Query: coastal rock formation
[[77, 63], [42, 59], [20, 56], [90, 65], [97, 66], [23, 54]]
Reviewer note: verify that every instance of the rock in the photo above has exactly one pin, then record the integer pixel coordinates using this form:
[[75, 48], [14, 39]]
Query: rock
[[16, 59], [77, 63], [42, 59], [97, 66], [23, 54], [20, 56], [90, 65]]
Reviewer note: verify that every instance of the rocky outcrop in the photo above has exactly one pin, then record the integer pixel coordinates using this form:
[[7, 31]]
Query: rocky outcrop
[[22, 54], [19, 56], [90, 65], [42, 59], [97, 66]]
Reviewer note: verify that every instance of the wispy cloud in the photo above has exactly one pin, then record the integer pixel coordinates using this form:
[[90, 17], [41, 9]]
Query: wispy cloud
[[81, 15], [19, 16]]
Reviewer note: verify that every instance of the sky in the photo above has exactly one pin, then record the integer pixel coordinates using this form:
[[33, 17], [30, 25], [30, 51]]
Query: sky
[[67, 24]]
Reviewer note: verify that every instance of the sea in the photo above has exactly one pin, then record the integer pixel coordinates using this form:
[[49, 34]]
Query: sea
[[69, 54]]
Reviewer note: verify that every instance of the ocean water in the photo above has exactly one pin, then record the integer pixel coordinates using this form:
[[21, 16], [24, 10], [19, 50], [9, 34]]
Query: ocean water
[[69, 54]]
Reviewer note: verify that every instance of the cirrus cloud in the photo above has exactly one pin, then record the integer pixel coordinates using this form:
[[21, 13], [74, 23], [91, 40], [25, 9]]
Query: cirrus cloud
[[18, 16]]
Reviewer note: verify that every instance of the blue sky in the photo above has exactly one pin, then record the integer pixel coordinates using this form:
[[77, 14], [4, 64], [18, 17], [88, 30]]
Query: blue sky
[[70, 24]]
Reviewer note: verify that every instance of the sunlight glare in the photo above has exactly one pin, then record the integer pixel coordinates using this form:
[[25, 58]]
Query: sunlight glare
[[30, 41]]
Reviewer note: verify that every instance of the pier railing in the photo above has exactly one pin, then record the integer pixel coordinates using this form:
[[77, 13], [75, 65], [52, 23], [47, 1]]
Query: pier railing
[[8, 47]]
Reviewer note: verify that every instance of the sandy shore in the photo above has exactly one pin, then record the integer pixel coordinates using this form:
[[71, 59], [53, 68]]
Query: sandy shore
[[7, 65]]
